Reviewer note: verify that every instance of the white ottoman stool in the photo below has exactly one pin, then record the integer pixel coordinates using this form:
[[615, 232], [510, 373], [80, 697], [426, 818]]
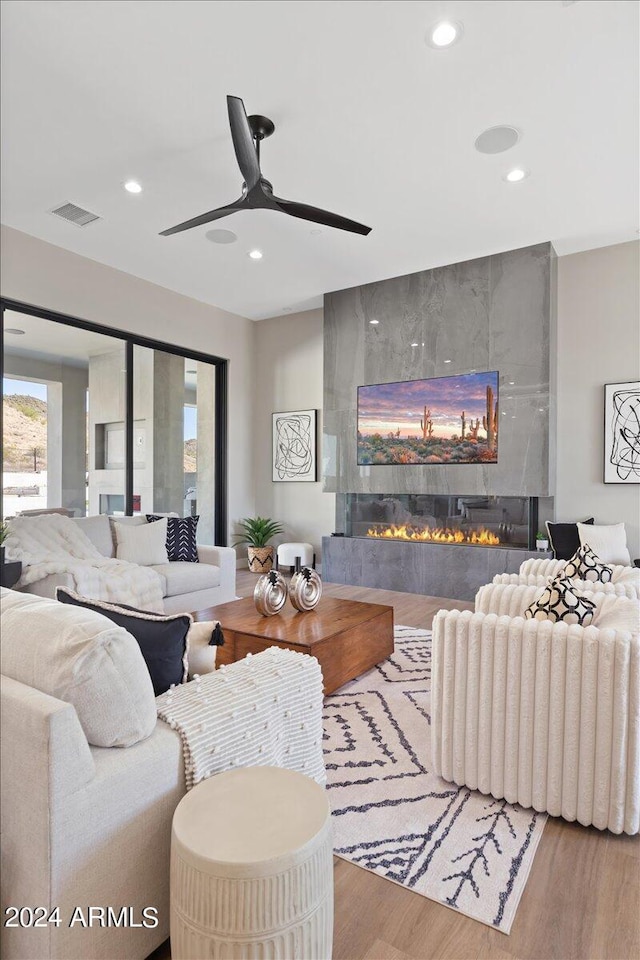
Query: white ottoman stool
[[252, 868], [292, 554]]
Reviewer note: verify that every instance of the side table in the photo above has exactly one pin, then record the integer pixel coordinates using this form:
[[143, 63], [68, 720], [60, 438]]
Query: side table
[[252, 868]]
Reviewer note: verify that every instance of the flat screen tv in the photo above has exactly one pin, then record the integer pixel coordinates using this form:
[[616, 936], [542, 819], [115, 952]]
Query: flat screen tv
[[441, 420]]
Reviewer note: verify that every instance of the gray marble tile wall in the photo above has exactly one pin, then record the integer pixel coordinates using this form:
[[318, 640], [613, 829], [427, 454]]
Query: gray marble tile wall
[[456, 571], [493, 313]]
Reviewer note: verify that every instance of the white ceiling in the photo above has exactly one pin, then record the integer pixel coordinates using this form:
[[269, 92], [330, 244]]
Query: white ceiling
[[371, 123]]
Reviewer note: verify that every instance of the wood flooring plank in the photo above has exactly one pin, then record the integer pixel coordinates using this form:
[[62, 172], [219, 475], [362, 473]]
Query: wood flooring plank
[[379, 950]]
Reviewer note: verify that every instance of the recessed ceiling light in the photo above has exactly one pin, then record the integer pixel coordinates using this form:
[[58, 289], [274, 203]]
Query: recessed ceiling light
[[517, 175], [374, 323], [255, 254], [444, 33], [512, 383], [497, 139], [447, 361], [221, 236], [314, 233], [14, 331], [132, 186], [414, 344]]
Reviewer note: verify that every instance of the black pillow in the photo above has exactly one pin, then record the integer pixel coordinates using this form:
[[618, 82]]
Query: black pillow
[[564, 538], [181, 537], [162, 639]]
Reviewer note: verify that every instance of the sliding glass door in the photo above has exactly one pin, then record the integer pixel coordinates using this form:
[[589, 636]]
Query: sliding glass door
[[101, 422]]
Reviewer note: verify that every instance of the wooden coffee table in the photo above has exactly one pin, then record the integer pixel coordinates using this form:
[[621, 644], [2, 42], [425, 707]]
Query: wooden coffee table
[[346, 636]]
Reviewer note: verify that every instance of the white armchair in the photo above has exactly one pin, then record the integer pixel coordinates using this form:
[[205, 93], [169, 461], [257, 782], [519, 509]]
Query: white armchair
[[551, 568], [543, 714], [622, 588]]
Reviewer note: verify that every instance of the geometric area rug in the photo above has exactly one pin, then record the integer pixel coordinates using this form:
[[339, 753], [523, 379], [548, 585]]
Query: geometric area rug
[[393, 816]]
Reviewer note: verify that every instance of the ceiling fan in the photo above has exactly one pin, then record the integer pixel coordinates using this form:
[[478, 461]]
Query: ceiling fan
[[257, 193]]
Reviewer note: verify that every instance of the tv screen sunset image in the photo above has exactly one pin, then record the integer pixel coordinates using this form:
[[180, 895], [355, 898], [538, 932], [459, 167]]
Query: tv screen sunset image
[[442, 420]]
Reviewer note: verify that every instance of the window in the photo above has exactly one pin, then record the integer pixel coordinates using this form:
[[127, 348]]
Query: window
[[97, 421]]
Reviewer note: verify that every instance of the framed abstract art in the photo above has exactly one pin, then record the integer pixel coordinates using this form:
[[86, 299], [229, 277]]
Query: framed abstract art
[[294, 446], [622, 432]]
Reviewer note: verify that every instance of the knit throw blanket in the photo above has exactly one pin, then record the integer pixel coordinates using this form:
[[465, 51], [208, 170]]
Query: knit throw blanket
[[55, 544], [265, 710]]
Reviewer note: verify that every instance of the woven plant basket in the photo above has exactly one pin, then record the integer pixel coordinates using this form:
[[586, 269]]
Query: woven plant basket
[[260, 559]]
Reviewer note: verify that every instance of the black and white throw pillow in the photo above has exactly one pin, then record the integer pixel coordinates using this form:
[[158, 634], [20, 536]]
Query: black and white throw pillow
[[560, 601], [181, 537], [564, 538], [162, 638], [585, 565]]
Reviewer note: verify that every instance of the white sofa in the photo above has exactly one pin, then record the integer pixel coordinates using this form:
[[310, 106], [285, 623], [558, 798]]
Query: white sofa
[[85, 825], [543, 714], [186, 587]]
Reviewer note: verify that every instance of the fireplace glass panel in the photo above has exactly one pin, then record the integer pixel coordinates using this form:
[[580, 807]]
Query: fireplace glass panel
[[491, 521]]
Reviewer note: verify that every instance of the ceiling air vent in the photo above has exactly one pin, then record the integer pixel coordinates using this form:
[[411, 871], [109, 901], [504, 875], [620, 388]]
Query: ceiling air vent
[[74, 214]]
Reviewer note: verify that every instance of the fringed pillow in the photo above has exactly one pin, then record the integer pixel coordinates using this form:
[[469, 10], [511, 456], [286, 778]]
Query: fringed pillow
[[560, 601], [585, 565]]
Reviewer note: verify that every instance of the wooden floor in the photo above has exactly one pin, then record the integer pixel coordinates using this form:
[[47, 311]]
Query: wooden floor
[[581, 902]]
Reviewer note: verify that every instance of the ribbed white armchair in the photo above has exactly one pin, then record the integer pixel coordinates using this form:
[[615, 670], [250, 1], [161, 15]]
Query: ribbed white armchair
[[551, 568], [622, 588], [543, 714]]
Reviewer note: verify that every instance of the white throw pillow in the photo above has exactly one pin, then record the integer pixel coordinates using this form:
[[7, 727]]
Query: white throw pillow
[[608, 542], [79, 656], [144, 543]]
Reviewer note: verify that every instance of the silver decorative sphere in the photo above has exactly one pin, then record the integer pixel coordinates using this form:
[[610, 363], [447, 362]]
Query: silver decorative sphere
[[305, 589], [270, 594]]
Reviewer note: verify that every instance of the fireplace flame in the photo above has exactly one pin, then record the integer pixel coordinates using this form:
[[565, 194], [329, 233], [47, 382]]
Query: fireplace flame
[[435, 535]]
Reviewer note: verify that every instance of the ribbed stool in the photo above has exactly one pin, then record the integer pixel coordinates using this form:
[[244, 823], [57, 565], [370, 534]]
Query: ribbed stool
[[252, 868], [290, 554]]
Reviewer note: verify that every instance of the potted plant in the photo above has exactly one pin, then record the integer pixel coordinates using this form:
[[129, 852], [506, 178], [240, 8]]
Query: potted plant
[[256, 532], [542, 541]]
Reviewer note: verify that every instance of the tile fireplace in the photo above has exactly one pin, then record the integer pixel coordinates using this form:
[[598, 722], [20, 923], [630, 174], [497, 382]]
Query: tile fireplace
[[434, 544]]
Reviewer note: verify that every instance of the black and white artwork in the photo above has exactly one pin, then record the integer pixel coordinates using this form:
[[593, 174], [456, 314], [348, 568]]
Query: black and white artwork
[[622, 432], [294, 446]]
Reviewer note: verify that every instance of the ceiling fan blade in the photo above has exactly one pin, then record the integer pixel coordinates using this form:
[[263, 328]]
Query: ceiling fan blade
[[206, 218], [243, 142], [315, 215]]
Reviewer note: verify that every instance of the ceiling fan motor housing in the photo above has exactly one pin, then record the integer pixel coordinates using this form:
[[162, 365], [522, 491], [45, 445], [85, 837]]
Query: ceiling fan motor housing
[[261, 127]]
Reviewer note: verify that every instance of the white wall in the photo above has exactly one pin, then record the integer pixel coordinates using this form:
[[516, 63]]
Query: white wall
[[44, 275], [598, 343], [288, 376]]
